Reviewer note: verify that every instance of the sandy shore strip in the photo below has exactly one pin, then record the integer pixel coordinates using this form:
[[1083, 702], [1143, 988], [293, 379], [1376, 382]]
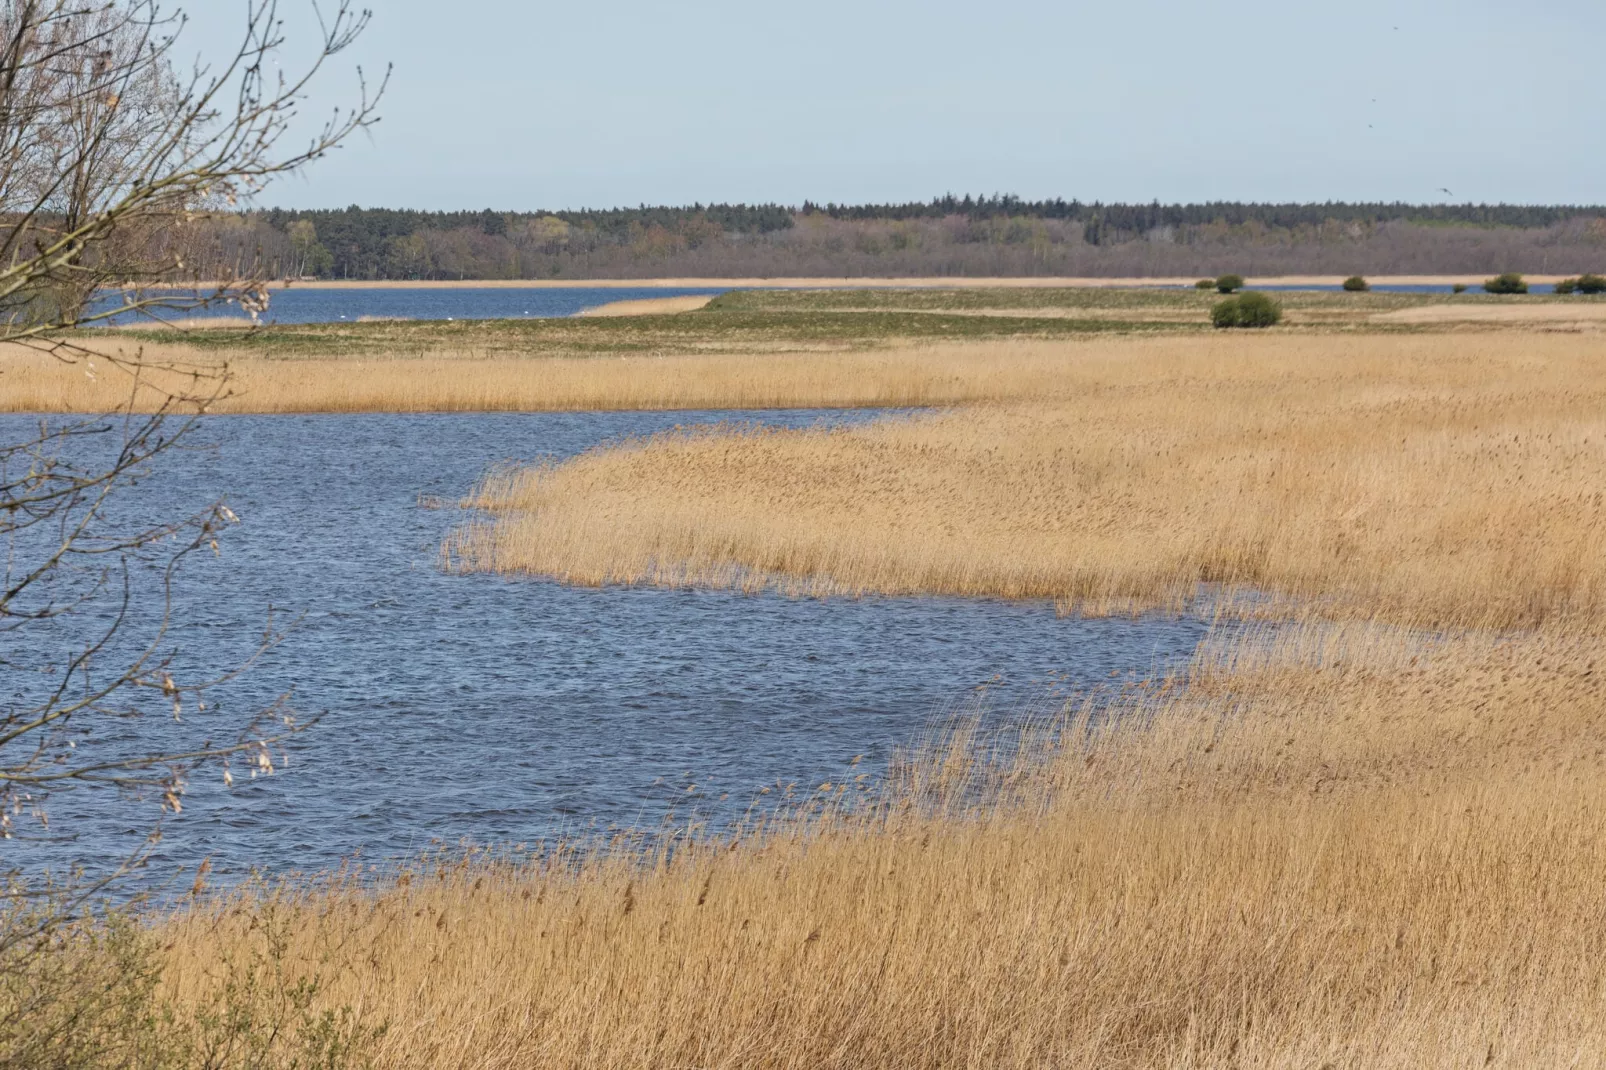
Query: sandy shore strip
[[651, 306], [843, 283]]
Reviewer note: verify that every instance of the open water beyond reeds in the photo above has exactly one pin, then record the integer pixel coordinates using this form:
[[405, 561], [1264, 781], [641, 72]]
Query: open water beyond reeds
[[353, 304], [503, 710]]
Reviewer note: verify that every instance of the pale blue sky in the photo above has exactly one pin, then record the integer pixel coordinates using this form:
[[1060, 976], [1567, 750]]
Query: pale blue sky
[[518, 105]]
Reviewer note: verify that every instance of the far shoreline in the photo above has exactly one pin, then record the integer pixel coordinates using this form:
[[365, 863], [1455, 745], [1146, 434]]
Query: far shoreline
[[880, 282]]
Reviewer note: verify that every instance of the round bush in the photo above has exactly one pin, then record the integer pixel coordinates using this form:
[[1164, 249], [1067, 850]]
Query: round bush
[[1227, 284], [1458, 288], [1258, 310], [1247, 310], [1205, 284], [1566, 286], [1592, 284], [1356, 285], [1508, 283]]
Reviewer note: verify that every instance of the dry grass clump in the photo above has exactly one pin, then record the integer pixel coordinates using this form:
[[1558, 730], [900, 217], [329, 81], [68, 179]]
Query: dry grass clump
[[1335, 847], [1433, 480]]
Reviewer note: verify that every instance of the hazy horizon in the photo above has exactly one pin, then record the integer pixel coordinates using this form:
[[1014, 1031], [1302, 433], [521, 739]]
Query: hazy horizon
[[520, 108], [269, 205]]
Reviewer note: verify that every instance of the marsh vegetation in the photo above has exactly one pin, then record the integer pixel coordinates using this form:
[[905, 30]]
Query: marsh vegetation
[[746, 349], [1351, 845], [1431, 479], [1360, 832], [1358, 828], [1360, 837], [1356, 824]]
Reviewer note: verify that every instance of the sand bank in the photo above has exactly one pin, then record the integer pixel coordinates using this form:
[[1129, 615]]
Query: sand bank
[[652, 306]]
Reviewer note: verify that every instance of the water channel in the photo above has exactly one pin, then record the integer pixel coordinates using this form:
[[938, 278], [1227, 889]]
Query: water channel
[[495, 710]]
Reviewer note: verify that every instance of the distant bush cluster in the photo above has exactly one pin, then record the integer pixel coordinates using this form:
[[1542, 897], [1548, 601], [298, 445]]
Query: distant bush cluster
[[1584, 284], [1355, 284], [1508, 283], [1251, 309], [1227, 284]]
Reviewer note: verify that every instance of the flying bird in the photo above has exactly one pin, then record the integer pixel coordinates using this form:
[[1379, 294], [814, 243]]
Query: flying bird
[[1446, 192]]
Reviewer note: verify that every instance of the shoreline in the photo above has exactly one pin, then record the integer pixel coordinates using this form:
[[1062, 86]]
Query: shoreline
[[872, 282]]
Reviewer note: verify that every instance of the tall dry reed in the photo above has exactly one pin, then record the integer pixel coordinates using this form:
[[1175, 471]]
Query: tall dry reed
[[1369, 843], [469, 382], [1433, 479], [1346, 847]]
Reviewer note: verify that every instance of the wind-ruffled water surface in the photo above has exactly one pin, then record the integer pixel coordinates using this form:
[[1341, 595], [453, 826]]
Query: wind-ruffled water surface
[[495, 709]]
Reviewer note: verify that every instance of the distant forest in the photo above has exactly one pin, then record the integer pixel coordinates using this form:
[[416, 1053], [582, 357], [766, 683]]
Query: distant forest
[[948, 236]]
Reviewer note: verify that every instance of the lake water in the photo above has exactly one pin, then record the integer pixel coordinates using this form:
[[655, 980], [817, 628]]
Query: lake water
[[499, 710], [295, 305], [349, 305]]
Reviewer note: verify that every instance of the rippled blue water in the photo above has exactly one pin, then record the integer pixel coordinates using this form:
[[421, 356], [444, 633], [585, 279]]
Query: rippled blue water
[[499, 709]]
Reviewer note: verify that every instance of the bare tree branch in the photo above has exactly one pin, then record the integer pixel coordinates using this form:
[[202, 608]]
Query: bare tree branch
[[110, 159]]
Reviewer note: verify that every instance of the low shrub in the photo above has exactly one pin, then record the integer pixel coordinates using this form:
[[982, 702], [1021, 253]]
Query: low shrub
[[1458, 288], [1258, 310], [1508, 283], [1205, 284], [1227, 284], [1251, 310], [1592, 284], [1355, 284], [88, 995], [1566, 286]]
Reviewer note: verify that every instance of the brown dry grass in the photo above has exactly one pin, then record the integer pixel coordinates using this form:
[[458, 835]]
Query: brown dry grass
[[1347, 847], [1327, 844], [1435, 480], [910, 376]]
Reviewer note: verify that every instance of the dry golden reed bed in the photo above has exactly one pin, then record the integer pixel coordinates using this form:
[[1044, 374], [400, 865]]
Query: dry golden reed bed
[[1334, 841], [1432, 479], [937, 375], [1348, 847]]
